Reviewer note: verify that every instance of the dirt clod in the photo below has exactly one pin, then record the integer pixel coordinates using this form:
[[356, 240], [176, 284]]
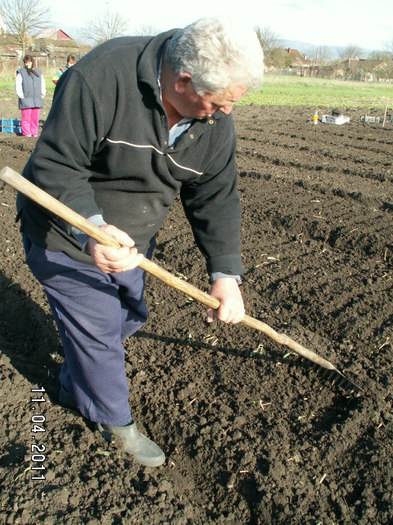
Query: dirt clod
[[250, 437]]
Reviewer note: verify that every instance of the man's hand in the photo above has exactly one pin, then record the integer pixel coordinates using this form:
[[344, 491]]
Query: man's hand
[[111, 260], [231, 309]]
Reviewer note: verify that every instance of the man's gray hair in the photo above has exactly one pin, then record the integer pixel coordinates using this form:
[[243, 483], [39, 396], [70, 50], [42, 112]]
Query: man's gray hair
[[218, 54]]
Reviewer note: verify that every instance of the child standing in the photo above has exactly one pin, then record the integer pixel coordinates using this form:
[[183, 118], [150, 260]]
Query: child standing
[[31, 90], [71, 60]]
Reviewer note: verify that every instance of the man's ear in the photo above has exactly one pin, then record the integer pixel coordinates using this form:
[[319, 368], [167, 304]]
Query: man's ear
[[182, 82]]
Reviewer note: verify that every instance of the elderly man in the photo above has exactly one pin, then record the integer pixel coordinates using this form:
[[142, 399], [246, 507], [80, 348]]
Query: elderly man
[[132, 124]]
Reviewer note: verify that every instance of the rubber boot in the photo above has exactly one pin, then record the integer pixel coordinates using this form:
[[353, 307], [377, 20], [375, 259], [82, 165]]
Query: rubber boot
[[144, 450]]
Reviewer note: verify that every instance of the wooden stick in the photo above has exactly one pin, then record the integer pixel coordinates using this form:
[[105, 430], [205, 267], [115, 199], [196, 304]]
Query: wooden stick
[[384, 117], [51, 204]]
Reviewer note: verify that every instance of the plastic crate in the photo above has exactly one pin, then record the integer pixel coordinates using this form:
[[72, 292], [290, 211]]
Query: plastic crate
[[11, 125], [333, 119], [366, 118]]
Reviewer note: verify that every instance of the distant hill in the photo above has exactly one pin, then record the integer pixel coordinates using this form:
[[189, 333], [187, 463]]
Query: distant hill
[[308, 49]]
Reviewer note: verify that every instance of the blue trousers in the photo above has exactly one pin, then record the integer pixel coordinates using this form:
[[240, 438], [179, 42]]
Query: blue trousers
[[94, 313]]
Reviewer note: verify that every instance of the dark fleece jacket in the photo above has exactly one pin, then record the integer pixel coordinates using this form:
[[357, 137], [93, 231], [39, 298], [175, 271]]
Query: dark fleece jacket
[[104, 150]]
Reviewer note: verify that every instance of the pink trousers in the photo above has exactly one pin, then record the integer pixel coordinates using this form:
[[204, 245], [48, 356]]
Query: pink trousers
[[30, 122]]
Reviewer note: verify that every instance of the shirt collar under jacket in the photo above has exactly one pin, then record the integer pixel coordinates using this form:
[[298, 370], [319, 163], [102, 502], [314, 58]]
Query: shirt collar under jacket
[[182, 126]]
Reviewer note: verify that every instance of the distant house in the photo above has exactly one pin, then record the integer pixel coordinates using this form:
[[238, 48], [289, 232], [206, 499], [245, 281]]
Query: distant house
[[9, 53], [11, 58], [296, 59], [57, 44], [362, 69], [50, 48], [290, 61], [368, 69], [53, 34]]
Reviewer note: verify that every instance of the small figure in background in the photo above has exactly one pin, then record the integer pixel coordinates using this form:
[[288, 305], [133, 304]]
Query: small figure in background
[[31, 90], [71, 60]]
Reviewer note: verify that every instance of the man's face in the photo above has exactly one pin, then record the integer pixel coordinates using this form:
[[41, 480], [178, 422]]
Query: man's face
[[28, 64], [191, 105]]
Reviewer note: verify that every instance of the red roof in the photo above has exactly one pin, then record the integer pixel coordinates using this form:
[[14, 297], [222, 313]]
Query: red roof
[[61, 35], [54, 34]]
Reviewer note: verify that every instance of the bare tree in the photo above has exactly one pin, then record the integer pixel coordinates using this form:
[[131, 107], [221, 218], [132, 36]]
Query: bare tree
[[349, 57], [269, 42], [319, 56], [147, 30], [389, 48], [24, 18], [379, 55], [380, 63], [351, 51], [104, 27]]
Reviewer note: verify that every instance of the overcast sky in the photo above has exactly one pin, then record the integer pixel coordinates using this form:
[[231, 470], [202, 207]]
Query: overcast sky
[[368, 25]]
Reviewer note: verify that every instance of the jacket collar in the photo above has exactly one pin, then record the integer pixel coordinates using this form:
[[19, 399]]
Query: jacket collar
[[150, 58]]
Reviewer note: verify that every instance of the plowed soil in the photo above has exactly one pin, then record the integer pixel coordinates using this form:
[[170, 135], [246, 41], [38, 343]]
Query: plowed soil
[[253, 434]]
